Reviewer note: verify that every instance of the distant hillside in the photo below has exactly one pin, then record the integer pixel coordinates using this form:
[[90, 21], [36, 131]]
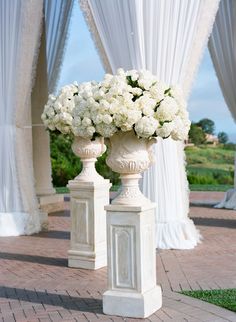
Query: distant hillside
[[208, 165]]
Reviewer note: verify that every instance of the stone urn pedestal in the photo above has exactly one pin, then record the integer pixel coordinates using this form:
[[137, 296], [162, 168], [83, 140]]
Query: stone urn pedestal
[[89, 193], [132, 289]]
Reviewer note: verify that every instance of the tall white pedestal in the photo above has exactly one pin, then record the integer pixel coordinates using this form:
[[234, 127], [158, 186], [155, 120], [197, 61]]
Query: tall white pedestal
[[132, 289], [88, 247]]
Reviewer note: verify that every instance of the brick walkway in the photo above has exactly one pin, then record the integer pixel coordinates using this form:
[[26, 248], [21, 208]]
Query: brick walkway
[[37, 285]]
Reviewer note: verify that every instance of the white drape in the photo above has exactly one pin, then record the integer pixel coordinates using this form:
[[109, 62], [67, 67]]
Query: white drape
[[20, 22], [57, 19], [53, 43], [222, 46], [166, 37]]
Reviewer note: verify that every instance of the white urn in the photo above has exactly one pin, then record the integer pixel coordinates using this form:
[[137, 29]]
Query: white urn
[[88, 151], [130, 156]]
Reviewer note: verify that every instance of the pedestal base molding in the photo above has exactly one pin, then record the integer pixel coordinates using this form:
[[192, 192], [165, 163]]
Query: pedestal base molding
[[45, 200], [87, 260], [136, 305]]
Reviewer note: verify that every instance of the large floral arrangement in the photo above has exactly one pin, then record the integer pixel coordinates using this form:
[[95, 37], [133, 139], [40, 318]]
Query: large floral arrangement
[[132, 100]]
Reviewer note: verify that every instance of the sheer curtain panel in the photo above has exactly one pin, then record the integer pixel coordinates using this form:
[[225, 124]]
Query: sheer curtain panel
[[166, 37], [53, 42], [57, 19], [222, 46], [20, 22]]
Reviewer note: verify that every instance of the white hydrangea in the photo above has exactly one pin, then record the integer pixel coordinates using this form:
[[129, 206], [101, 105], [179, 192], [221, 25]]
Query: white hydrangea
[[177, 93], [145, 104], [146, 127], [180, 129], [157, 91], [57, 114], [165, 130], [132, 100], [167, 110], [106, 130], [125, 118]]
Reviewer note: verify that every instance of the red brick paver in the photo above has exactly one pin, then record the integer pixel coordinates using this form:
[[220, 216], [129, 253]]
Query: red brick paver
[[37, 285]]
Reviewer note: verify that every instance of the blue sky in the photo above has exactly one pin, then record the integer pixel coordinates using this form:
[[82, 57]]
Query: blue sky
[[81, 63]]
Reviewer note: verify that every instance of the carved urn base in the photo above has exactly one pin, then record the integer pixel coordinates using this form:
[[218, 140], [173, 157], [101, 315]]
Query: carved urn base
[[89, 151], [130, 192]]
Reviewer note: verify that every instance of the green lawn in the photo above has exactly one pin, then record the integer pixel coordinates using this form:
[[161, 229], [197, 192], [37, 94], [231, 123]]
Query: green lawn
[[210, 157], [224, 298], [193, 187], [208, 165], [208, 168], [62, 190], [210, 187], [66, 190]]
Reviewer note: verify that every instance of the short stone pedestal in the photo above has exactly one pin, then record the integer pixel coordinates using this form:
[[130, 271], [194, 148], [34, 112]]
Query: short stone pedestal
[[132, 289], [47, 204], [88, 247]]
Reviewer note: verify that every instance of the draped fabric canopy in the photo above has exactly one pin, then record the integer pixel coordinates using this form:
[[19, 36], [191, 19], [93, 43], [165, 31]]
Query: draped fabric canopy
[[9, 33], [222, 46], [167, 38], [18, 52], [53, 43], [20, 31]]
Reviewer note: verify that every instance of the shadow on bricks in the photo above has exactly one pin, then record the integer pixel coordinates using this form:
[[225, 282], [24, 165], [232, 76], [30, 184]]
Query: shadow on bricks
[[63, 262], [46, 298], [57, 234], [215, 222]]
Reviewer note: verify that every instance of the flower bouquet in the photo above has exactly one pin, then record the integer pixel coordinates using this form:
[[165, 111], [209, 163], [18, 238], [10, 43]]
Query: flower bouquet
[[130, 108]]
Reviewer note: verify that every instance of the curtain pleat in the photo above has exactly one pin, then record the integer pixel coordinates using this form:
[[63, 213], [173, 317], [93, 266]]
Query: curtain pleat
[[20, 22], [57, 19], [222, 47]]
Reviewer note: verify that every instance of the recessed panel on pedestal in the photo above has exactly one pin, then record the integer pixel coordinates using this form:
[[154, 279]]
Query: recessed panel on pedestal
[[123, 261], [81, 221]]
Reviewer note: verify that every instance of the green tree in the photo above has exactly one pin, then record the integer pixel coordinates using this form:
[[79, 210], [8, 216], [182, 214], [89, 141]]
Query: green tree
[[65, 164], [196, 134], [223, 137], [207, 125]]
